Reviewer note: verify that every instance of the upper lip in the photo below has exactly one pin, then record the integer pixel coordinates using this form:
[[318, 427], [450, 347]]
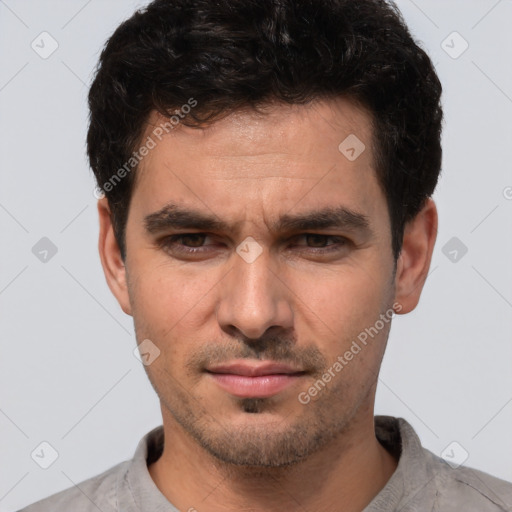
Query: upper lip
[[254, 369]]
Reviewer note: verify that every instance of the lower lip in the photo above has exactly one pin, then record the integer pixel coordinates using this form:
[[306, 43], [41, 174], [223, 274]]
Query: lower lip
[[262, 386]]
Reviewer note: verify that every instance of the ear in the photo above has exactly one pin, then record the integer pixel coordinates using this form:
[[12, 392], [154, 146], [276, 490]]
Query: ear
[[110, 255], [414, 261]]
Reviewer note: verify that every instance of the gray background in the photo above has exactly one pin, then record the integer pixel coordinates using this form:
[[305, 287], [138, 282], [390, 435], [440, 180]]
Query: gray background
[[68, 375]]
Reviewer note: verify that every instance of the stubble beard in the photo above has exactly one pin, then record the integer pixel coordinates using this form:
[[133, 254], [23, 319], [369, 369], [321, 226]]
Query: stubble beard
[[278, 443]]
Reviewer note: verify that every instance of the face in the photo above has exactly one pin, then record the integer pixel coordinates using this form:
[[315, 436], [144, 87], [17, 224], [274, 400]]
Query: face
[[258, 253]]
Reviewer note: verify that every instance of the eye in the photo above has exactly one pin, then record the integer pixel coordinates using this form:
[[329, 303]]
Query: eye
[[196, 244], [185, 243], [322, 243]]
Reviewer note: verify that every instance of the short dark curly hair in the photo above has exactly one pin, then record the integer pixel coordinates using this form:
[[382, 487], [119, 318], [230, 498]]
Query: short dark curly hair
[[232, 54]]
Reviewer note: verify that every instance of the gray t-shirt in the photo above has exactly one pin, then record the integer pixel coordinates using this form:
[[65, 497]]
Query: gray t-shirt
[[422, 482]]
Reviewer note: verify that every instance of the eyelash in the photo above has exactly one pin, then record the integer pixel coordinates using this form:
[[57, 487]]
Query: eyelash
[[169, 243]]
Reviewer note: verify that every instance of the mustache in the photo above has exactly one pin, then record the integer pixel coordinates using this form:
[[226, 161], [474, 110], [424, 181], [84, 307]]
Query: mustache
[[272, 347]]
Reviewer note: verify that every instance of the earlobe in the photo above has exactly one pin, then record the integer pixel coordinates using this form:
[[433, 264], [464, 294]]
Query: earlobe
[[414, 261], [111, 260]]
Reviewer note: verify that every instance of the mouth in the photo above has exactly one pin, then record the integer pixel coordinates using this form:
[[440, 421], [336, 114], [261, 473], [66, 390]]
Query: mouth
[[244, 379]]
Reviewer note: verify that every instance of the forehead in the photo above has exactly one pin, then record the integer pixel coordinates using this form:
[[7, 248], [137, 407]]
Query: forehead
[[277, 128], [284, 158]]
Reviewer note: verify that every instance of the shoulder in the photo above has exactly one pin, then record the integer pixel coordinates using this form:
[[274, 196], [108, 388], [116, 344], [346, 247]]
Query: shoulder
[[424, 481], [96, 493], [114, 489], [468, 489]]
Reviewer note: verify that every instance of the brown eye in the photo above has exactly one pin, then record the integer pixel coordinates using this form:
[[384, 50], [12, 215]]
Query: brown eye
[[319, 241], [315, 240], [193, 239], [186, 243]]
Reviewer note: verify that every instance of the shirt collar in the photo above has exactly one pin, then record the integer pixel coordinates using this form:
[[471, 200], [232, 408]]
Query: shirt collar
[[411, 484], [136, 490]]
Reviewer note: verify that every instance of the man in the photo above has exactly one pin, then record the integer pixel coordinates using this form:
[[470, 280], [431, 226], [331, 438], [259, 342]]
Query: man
[[268, 170]]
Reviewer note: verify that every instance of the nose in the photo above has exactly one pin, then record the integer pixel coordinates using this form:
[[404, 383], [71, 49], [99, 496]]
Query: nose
[[254, 298]]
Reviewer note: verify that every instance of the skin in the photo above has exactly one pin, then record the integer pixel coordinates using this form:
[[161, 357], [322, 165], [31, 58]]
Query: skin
[[302, 301]]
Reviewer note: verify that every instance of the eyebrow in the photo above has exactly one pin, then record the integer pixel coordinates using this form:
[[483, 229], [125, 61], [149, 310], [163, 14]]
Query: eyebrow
[[172, 216]]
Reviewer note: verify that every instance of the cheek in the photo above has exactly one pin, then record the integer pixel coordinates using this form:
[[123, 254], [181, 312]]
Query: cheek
[[338, 312], [169, 301], [344, 299]]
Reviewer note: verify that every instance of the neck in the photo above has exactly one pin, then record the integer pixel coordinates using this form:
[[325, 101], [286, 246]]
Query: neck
[[347, 473]]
